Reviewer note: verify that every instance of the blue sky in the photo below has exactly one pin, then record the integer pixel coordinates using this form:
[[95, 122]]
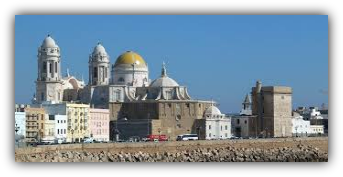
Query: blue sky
[[216, 57]]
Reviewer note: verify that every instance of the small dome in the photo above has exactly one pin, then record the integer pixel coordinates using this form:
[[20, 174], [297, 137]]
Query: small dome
[[212, 110], [99, 49], [164, 82], [49, 42], [129, 58]]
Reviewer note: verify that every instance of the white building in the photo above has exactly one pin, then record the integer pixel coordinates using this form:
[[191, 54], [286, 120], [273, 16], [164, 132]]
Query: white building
[[61, 126], [218, 126], [300, 127], [314, 113], [20, 124], [317, 129]]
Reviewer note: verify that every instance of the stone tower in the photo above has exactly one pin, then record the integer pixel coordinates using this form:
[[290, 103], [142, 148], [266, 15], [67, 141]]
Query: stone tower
[[99, 66], [273, 107], [49, 82]]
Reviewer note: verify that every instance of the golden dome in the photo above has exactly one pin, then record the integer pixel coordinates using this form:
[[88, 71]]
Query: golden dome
[[130, 57]]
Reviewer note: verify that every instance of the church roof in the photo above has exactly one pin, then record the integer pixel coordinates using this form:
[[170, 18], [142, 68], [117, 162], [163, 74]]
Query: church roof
[[99, 49], [164, 80], [247, 99], [212, 110], [49, 42], [129, 58]]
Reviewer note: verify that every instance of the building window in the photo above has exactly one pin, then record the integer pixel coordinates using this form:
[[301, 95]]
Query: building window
[[225, 134], [245, 122], [169, 95], [51, 117], [95, 72], [58, 131], [42, 96], [50, 67], [117, 94], [209, 127], [44, 67], [121, 79], [209, 135], [55, 67], [221, 128], [238, 121]]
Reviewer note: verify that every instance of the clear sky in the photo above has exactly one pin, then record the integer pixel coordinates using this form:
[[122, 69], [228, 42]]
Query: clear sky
[[216, 57]]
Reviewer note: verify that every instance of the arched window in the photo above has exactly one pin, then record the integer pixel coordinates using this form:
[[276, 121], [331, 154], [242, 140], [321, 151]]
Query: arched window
[[95, 72], [55, 67], [50, 67], [44, 67]]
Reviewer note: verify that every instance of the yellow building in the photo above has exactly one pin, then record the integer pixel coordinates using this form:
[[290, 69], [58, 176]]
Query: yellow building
[[78, 122], [35, 120]]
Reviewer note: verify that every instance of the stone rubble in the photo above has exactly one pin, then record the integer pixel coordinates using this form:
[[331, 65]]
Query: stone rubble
[[301, 153]]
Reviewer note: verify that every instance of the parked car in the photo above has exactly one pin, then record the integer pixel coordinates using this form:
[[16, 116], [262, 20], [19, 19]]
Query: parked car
[[187, 137], [88, 140]]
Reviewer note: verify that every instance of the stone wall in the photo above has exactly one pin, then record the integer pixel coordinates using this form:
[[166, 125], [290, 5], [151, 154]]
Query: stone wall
[[280, 149]]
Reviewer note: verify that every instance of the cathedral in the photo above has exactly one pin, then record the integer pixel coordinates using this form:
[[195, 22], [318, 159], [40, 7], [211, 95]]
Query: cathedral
[[126, 80], [138, 106]]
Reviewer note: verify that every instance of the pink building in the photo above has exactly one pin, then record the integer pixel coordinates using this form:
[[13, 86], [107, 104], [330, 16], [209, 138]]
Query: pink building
[[99, 124]]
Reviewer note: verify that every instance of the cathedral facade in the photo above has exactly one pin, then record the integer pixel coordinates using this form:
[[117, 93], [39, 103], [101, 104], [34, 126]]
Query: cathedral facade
[[138, 106]]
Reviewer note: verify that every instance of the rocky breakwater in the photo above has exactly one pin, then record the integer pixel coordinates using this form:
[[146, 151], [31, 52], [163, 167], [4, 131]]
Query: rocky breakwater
[[300, 153]]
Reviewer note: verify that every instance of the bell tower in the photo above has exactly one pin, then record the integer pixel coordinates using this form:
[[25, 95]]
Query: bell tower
[[48, 84], [99, 66]]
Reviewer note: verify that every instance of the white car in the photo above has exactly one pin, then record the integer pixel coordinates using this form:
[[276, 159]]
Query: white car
[[187, 137], [88, 140]]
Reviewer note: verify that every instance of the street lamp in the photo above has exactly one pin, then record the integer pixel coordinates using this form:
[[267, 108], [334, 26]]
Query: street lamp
[[16, 129], [72, 135]]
